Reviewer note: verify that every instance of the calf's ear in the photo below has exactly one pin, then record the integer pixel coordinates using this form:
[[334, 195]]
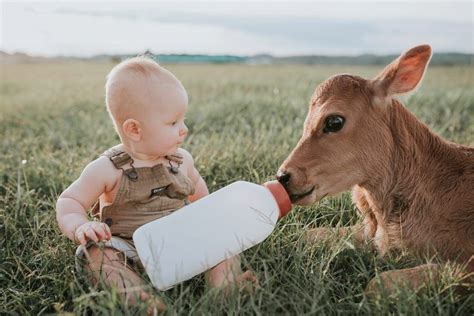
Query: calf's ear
[[404, 73]]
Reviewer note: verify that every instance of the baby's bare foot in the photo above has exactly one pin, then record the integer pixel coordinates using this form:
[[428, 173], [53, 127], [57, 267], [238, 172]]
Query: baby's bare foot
[[246, 281], [155, 305]]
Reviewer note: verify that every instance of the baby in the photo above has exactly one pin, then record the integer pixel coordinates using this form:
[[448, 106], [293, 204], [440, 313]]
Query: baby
[[145, 177]]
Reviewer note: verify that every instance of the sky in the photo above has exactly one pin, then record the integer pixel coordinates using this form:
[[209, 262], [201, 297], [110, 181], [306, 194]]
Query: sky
[[279, 28]]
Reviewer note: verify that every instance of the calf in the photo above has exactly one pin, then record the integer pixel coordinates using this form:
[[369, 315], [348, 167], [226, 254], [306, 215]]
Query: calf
[[414, 190]]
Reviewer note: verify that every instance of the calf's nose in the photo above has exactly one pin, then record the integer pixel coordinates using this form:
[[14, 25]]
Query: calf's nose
[[283, 177]]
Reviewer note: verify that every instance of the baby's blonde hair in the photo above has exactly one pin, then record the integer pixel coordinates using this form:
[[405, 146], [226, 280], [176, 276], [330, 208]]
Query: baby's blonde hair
[[121, 80]]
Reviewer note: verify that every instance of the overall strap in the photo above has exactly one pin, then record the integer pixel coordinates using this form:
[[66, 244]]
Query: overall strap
[[177, 159], [119, 159]]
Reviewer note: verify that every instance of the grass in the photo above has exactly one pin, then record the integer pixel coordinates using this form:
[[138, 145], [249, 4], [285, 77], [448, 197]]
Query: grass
[[243, 121]]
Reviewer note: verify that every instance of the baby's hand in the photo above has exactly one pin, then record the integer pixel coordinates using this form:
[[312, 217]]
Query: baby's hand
[[92, 230]]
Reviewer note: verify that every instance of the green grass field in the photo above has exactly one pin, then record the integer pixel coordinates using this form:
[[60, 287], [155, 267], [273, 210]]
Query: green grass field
[[243, 122]]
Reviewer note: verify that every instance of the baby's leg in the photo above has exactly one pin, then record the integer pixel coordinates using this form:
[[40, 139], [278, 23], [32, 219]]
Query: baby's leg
[[228, 273], [224, 272], [109, 267]]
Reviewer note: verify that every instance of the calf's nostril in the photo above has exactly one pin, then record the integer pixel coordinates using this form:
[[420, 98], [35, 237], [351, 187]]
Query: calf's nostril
[[283, 177]]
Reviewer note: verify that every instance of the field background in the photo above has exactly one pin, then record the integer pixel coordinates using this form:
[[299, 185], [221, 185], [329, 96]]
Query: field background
[[243, 122]]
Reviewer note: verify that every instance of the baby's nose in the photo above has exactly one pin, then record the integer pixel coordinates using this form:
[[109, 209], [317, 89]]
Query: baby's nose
[[184, 131]]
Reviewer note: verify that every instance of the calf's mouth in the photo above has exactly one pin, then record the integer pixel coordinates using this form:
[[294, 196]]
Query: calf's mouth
[[297, 196]]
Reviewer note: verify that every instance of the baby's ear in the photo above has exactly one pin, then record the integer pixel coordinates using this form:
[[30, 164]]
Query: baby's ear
[[404, 73], [132, 129]]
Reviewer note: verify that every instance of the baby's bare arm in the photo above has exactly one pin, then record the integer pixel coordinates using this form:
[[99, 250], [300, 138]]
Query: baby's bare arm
[[200, 187], [71, 208]]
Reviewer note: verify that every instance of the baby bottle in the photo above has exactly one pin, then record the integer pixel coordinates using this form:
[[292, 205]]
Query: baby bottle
[[219, 226]]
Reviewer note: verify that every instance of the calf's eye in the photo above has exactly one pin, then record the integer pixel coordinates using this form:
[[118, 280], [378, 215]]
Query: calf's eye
[[333, 124]]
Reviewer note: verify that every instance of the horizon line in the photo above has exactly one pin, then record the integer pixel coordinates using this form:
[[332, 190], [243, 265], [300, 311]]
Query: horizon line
[[217, 55]]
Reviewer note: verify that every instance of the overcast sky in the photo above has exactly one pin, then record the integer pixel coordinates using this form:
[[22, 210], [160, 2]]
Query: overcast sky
[[228, 27]]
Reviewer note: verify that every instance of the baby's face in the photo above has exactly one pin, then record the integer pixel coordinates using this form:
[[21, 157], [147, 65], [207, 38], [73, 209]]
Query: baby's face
[[163, 128]]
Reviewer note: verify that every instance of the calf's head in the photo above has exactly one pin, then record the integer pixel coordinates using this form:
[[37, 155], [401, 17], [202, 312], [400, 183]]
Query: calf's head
[[346, 134]]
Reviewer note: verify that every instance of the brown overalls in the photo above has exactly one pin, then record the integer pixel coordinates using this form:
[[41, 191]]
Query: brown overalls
[[145, 194]]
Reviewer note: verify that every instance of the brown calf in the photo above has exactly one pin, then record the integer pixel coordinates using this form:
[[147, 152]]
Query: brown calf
[[414, 190]]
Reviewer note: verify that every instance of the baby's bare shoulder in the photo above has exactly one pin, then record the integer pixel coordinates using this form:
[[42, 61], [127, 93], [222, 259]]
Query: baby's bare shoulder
[[188, 161], [187, 157], [102, 165], [102, 170]]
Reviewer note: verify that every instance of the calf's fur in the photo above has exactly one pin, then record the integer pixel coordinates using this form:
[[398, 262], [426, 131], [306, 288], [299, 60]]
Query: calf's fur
[[414, 190]]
